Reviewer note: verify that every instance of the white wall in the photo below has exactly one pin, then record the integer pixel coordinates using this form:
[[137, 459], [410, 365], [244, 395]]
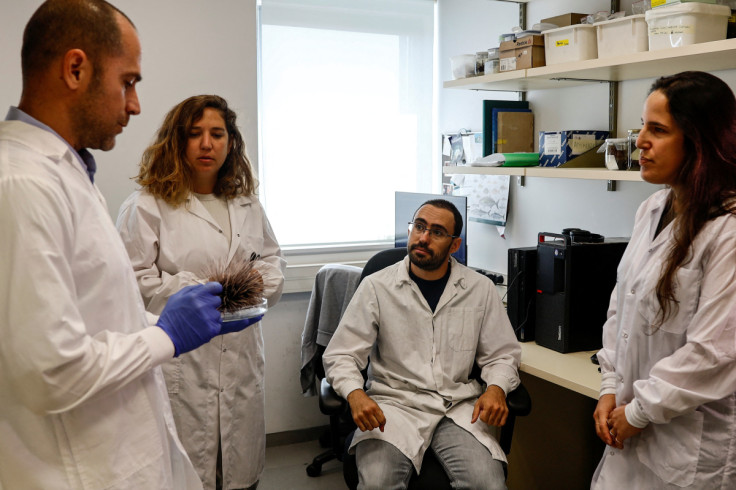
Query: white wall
[[189, 47], [542, 205], [548, 205], [192, 47]]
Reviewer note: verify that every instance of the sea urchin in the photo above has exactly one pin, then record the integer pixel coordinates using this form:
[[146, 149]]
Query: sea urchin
[[242, 284]]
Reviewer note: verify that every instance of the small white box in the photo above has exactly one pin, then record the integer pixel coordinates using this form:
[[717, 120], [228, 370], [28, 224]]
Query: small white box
[[622, 36], [686, 23], [570, 43]]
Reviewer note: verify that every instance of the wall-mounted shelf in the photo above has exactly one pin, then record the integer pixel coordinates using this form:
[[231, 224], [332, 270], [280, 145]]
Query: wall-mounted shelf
[[547, 172], [712, 56]]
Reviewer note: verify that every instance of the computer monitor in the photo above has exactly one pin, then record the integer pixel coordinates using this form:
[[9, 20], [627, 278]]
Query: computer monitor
[[408, 202]]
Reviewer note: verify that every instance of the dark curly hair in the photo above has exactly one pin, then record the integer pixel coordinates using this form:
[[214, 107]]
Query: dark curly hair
[[164, 170]]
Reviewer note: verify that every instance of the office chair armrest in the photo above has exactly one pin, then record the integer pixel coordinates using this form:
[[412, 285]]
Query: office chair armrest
[[519, 402], [330, 403]]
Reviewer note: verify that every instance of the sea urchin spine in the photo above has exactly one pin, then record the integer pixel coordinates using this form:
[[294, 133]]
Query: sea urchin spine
[[242, 284]]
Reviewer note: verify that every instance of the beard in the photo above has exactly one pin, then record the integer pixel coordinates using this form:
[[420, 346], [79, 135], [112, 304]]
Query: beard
[[432, 261], [93, 125]]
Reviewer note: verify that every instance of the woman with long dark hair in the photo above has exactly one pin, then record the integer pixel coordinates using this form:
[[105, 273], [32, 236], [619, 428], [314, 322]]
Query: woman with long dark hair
[[667, 407]]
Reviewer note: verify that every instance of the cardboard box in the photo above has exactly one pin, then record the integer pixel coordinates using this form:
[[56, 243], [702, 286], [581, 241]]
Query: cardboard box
[[559, 147], [520, 54], [515, 132], [565, 19], [489, 122]]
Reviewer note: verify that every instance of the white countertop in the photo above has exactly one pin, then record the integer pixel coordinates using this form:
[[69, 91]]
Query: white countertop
[[573, 370]]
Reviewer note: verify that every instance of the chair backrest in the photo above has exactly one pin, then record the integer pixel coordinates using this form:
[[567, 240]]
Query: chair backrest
[[383, 259]]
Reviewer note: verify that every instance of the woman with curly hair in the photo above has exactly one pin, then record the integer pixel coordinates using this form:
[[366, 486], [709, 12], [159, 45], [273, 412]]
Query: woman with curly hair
[[667, 406], [197, 210]]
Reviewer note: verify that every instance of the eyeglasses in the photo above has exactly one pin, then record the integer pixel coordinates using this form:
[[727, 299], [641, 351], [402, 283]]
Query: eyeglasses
[[435, 233]]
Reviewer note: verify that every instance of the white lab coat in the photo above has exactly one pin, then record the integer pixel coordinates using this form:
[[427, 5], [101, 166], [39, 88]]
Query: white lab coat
[[681, 378], [83, 404], [216, 390], [420, 361]]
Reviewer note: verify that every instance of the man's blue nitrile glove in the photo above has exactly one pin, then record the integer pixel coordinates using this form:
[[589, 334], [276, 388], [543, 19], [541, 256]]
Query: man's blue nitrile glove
[[238, 325], [190, 317]]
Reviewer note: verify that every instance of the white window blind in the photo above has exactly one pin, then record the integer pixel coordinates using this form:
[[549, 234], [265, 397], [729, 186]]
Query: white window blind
[[346, 114]]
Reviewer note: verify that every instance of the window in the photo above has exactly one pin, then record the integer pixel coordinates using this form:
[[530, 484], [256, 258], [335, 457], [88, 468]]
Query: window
[[346, 116]]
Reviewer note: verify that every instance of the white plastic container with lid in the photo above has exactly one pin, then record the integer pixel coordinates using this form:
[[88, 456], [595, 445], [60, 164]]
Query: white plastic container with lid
[[625, 35], [686, 23], [570, 43]]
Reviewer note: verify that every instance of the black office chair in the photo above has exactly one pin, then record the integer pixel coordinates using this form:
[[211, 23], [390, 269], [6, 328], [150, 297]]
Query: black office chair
[[341, 421], [432, 475]]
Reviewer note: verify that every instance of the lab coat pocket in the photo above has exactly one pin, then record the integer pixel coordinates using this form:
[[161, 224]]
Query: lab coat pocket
[[462, 327], [671, 450], [172, 374], [251, 246], [687, 293]]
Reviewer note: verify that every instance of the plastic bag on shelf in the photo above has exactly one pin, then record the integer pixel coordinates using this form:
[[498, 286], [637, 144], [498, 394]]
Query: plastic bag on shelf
[[599, 16], [641, 6]]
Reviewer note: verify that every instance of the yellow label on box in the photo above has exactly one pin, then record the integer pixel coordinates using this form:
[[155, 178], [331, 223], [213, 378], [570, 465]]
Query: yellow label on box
[[657, 3], [562, 42]]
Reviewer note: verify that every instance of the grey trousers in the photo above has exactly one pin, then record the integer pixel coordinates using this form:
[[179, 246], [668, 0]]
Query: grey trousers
[[468, 464]]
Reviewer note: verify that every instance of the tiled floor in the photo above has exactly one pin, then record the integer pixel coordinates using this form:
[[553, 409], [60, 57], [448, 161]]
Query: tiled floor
[[286, 469]]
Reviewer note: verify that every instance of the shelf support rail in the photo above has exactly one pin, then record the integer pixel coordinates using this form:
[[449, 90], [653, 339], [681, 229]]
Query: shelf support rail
[[612, 109]]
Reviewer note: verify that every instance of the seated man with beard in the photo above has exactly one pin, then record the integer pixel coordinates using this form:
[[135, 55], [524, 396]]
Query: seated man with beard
[[424, 322]]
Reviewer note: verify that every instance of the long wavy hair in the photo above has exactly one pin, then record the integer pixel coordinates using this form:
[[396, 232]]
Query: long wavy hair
[[704, 108], [164, 170]]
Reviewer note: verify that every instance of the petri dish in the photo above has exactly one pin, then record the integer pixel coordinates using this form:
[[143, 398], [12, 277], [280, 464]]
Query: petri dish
[[250, 312]]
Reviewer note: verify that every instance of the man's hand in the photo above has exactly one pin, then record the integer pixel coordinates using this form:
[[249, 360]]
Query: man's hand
[[190, 317], [366, 413], [491, 407]]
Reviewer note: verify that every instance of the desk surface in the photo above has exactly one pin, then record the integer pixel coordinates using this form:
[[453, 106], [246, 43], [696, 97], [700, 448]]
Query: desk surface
[[573, 370]]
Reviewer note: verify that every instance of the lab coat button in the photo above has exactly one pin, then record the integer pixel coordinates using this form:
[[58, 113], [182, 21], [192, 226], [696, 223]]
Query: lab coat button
[[633, 291], [222, 390], [220, 231]]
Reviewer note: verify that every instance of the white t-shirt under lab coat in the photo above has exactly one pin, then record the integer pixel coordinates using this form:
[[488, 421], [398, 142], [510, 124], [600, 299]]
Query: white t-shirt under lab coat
[[217, 391]]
